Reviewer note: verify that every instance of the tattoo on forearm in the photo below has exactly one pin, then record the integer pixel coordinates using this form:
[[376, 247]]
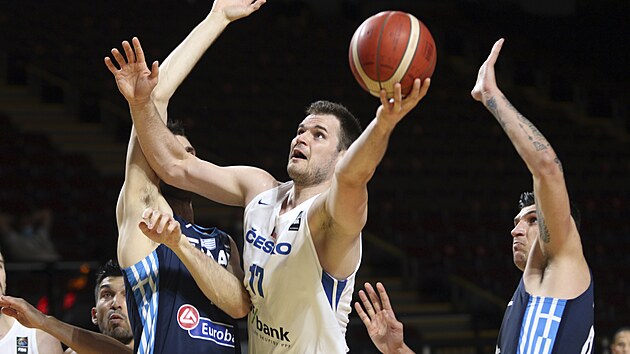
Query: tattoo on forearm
[[557, 161], [538, 140], [491, 103], [544, 232]]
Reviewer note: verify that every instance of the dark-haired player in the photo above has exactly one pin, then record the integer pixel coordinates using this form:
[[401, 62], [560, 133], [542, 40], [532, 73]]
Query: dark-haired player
[[552, 308], [109, 314], [302, 237], [183, 291]]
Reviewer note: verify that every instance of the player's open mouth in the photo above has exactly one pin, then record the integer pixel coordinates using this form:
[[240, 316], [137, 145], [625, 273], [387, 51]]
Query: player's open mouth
[[298, 155]]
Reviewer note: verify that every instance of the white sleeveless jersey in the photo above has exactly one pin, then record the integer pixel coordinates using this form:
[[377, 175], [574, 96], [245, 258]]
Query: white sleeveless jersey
[[296, 306], [19, 340]]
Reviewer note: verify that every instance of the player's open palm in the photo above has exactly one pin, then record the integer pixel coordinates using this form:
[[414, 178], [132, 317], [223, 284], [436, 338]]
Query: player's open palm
[[160, 227], [486, 81], [235, 9], [134, 78], [378, 317]]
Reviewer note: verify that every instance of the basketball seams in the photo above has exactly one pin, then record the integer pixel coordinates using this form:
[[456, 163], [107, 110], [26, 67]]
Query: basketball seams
[[371, 85], [378, 50], [391, 47], [409, 54]]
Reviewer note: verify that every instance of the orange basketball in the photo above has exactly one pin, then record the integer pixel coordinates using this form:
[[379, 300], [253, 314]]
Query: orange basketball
[[391, 47]]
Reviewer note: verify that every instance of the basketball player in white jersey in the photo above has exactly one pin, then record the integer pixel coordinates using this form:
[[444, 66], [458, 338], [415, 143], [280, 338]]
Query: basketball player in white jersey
[[302, 237], [16, 338]]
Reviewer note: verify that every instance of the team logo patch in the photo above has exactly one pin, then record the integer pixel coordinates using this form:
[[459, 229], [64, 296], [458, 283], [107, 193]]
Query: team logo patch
[[199, 327], [187, 317], [21, 345]]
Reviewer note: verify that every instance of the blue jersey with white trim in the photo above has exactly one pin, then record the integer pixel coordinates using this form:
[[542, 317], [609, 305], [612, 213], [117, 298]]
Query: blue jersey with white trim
[[167, 310], [546, 325]]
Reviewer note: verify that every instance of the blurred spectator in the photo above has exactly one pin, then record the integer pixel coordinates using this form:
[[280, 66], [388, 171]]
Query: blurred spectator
[[621, 341], [26, 237]]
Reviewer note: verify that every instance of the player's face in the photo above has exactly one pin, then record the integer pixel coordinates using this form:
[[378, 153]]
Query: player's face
[[524, 235], [3, 276], [110, 313], [621, 345], [313, 154]]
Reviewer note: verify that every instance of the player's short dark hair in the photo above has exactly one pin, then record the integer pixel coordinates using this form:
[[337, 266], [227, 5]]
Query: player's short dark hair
[[109, 269], [176, 127], [527, 198], [619, 330], [350, 126]]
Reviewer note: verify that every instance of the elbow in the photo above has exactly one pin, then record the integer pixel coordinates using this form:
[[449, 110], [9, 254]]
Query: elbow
[[240, 311], [547, 165], [172, 172]]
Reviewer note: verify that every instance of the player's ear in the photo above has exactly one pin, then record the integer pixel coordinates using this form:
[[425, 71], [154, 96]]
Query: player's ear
[[94, 319]]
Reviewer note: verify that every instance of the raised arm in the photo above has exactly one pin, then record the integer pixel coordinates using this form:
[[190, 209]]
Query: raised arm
[[141, 191], [344, 206], [185, 56], [234, 185], [558, 232], [79, 339], [224, 289]]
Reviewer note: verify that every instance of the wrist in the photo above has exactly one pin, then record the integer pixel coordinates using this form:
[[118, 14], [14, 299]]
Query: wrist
[[140, 104], [46, 323], [219, 16], [178, 245]]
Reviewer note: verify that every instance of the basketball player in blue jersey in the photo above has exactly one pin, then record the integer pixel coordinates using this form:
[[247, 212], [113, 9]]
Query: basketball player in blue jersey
[[552, 308], [302, 237], [109, 313], [170, 278]]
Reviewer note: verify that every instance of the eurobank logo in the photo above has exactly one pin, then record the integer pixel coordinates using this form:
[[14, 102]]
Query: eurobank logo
[[199, 327], [187, 317]]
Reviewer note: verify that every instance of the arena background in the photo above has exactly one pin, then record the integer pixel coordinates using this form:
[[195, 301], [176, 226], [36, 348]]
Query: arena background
[[442, 200]]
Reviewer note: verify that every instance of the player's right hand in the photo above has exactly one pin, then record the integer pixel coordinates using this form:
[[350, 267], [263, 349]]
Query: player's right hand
[[486, 82], [160, 227], [134, 79]]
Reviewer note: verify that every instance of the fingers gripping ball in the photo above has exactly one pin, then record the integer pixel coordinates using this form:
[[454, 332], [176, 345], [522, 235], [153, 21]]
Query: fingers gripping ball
[[391, 47]]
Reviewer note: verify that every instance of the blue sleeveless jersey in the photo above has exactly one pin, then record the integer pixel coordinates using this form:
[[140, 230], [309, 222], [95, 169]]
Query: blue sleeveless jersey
[[167, 310], [546, 325]]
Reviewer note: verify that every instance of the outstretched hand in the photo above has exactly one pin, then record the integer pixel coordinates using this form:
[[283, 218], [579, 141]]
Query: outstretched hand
[[160, 227], [235, 9], [486, 81], [134, 79], [393, 110], [378, 317], [22, 311]]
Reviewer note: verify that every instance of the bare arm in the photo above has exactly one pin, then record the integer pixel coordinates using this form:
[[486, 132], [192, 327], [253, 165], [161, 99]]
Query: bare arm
[[79, 339], [223, 288], [234, 185], [345, 203], [185, 56], [558, 233]]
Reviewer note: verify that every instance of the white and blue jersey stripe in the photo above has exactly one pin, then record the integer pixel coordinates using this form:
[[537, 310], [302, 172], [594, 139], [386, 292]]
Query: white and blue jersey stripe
[[142, 278], [167, 310], [547, 325]]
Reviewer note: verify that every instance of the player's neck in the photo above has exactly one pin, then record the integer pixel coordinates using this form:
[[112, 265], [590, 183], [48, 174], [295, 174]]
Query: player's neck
[[300, 194]]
